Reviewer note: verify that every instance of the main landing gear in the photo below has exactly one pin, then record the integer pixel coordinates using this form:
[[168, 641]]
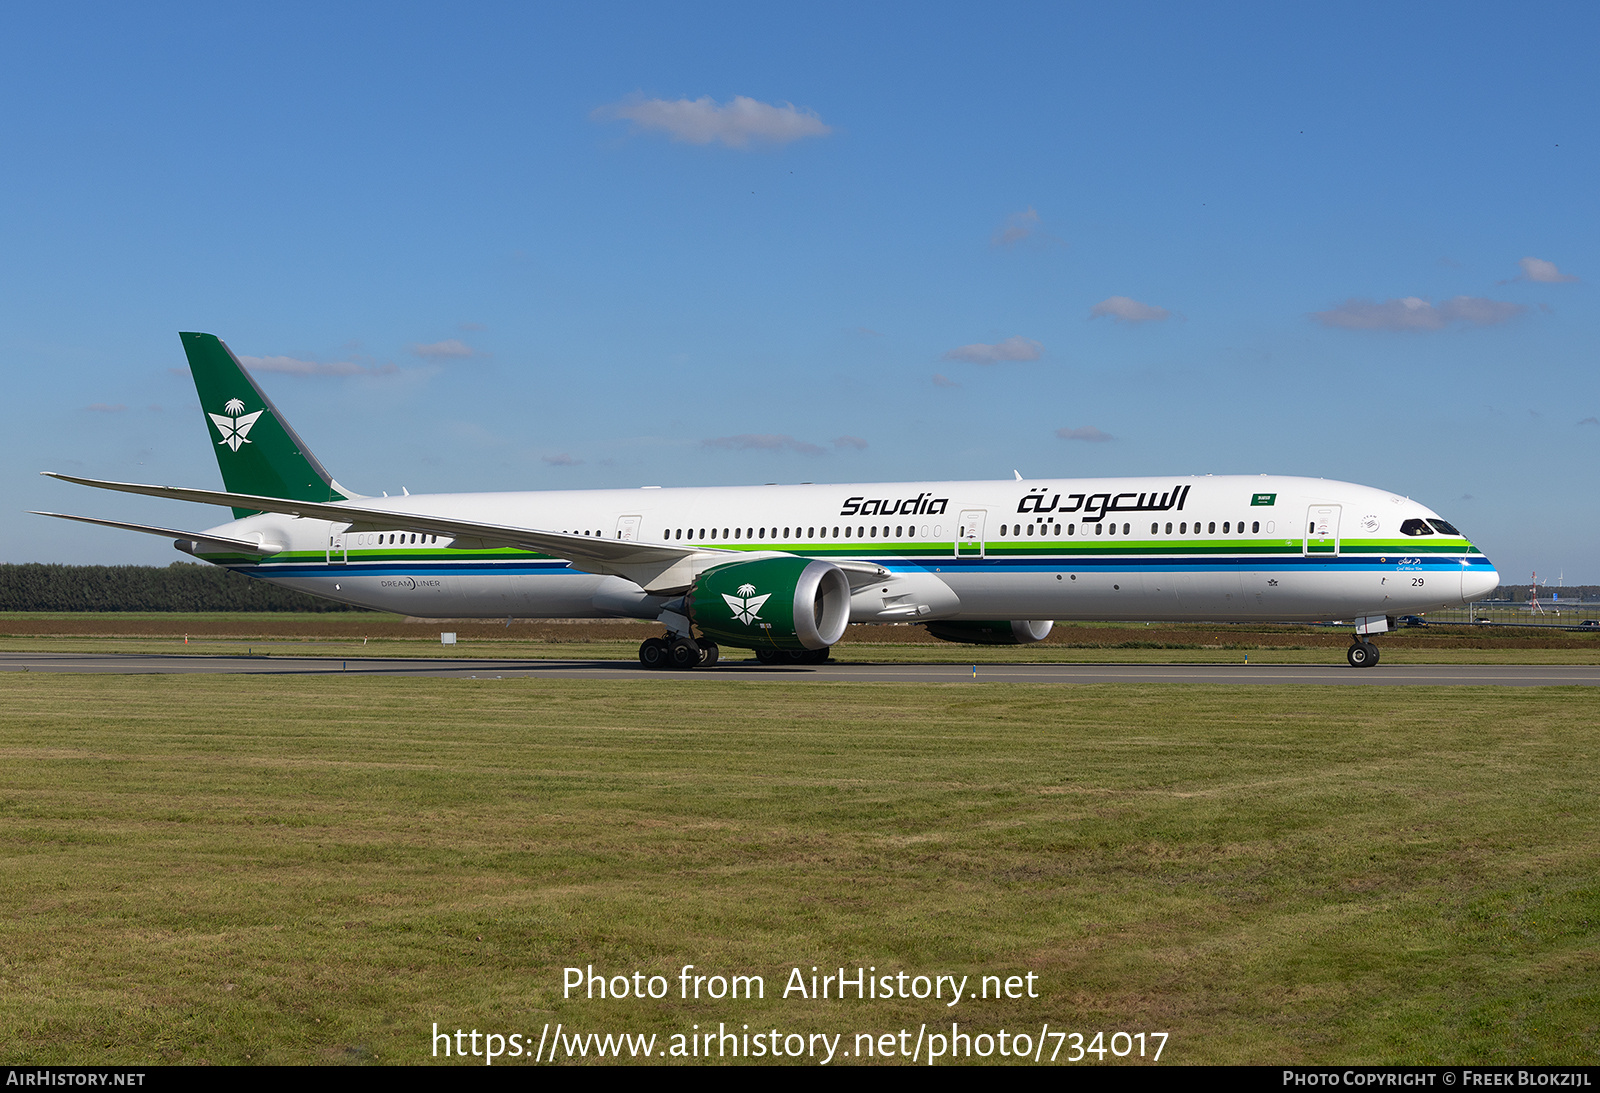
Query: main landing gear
[[678, 652], [1362, 653]]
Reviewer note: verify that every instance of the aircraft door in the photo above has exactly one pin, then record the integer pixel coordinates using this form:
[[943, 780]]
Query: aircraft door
[[1322, 530], [970, 534], [628, 528], [338, 551]]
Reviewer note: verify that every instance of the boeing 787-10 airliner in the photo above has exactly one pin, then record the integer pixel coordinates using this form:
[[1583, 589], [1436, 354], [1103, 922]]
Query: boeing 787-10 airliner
[[783, 570]]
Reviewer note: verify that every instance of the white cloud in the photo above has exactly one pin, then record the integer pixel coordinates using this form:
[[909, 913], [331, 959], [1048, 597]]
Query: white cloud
[[1125, 310], [106, 407], [1015, 348], [1590, 421], [451, 348], [1415, 313], [850, 442], [704, 121], [944, 381], [1088, 432], [295, 367], [1546, 273], [1024, 227], [1018, 226], [561, 459], [763, 442]]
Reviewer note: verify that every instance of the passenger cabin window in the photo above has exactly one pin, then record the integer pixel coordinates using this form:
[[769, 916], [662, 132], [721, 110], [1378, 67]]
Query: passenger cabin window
[[1415, 527]]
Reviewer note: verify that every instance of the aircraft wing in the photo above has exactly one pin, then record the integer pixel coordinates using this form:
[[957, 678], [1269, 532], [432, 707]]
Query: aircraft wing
[[655, 567]]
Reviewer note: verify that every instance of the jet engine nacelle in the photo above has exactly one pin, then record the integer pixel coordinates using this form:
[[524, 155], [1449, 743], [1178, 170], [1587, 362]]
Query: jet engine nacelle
[[1013, 632], [772, 603]]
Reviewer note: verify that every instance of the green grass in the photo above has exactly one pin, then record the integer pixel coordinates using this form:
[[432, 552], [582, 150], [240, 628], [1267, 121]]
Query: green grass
[[233, 869]]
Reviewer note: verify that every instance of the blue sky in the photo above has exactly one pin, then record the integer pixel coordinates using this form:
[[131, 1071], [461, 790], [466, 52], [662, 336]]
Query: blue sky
[[520, 247]]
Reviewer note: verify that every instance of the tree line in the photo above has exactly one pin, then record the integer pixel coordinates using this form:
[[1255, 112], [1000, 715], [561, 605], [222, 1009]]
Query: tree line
[[181, 586], [1572, 593]]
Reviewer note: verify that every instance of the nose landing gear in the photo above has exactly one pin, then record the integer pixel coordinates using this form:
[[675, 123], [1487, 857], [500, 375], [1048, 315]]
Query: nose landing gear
[[1362, 653]]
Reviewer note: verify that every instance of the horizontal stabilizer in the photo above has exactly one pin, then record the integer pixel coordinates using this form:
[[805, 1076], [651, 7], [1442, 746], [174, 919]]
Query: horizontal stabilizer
[[199, 538]]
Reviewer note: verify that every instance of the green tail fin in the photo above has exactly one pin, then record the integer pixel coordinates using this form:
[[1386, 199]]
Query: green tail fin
[[256, 448]]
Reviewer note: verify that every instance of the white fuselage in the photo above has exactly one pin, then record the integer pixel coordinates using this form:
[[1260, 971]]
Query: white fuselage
[[1183, 548]]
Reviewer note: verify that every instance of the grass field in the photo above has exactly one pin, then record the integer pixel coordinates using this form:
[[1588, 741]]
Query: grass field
[[265, 870]]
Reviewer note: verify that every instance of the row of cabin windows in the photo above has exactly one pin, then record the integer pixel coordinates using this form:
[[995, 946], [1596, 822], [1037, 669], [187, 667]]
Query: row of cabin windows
[[902, 531], [1229, 527], [1410, 527], [391, 538]]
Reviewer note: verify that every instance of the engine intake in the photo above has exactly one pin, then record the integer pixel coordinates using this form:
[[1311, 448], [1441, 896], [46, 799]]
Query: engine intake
[[1013, 632]]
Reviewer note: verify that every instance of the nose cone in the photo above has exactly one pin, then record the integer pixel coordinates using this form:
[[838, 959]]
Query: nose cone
[[1478, 579]]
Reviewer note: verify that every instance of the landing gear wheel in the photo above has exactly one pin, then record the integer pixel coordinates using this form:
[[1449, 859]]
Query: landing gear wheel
[[653, 653], [683, 654], [708, 653], [770, 656], [810, 656], [1362, 654]]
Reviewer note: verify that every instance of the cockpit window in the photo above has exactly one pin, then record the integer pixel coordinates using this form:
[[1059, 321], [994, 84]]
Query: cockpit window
[[1444, 528], [1415, 527]]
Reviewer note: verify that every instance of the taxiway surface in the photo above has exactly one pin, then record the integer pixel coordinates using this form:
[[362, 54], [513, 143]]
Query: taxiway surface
[[1418, 675]]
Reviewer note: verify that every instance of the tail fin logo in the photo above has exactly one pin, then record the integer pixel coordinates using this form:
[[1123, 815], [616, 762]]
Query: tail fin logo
[[234, 424]]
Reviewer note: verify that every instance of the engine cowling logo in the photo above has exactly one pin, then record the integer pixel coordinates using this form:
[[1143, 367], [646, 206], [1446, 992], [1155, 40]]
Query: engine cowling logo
[[746, 604]]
